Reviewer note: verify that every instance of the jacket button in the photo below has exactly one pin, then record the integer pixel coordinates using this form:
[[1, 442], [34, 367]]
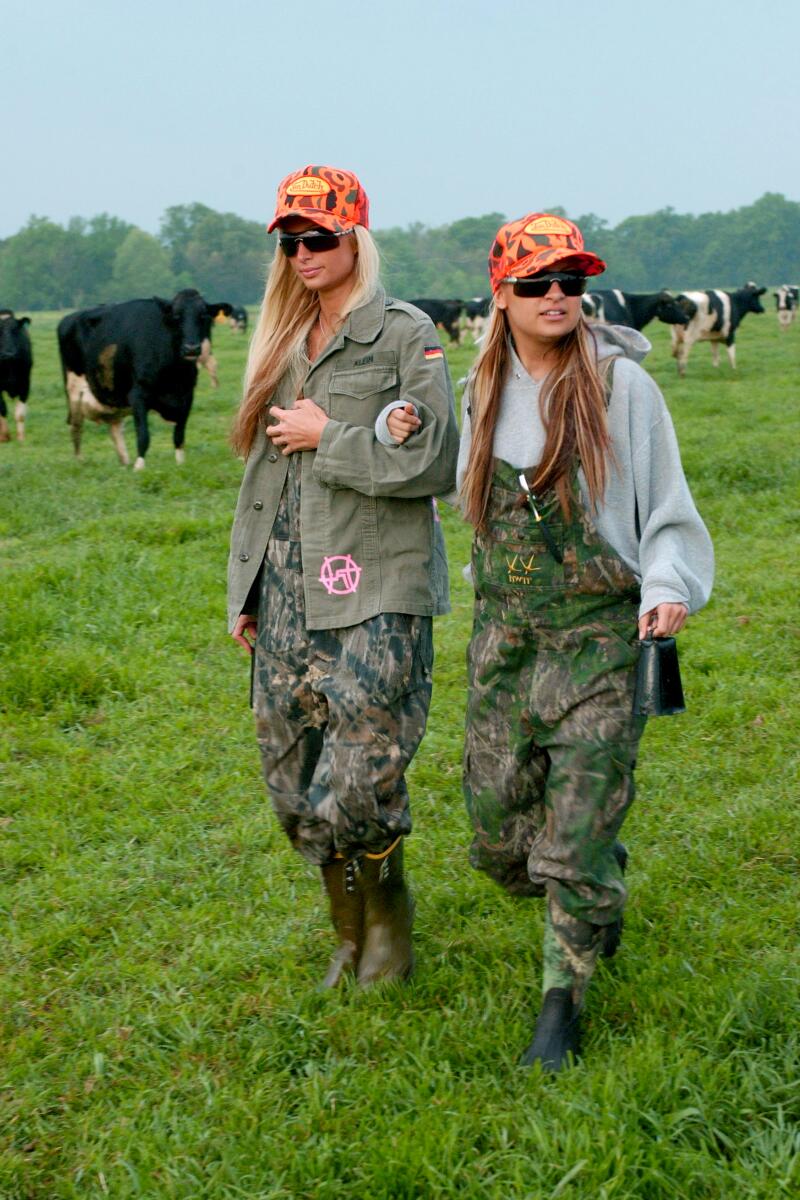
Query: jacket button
[[272, 458], [243, 557], [258, 506]]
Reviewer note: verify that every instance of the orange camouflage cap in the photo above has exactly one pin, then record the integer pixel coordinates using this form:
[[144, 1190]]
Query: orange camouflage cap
[[536, 242], [329, 197]]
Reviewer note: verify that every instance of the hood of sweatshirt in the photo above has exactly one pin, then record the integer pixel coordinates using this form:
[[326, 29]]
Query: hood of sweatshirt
[[619, 341]]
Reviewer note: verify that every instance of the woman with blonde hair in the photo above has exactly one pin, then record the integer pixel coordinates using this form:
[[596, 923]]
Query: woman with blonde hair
[[337, 563], [586, 539]]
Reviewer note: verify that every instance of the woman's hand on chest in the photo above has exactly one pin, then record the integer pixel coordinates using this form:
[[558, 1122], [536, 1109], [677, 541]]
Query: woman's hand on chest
[[297, 428]]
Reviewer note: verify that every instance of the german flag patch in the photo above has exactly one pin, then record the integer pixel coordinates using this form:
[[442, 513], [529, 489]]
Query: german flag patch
[[434, 352]]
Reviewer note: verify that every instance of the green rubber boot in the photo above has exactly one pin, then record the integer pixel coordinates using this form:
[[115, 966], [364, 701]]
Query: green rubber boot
[[388, 916], [347, 913]]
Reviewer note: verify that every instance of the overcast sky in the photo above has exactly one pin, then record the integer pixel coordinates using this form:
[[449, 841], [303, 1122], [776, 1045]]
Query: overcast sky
[[444, 109]]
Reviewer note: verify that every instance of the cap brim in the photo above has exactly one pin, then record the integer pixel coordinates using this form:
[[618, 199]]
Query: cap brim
[[325, 220], [571, 260]]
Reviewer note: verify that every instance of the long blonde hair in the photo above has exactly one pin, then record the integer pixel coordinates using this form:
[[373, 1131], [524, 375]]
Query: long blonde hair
[[288, 312], [572, 402]]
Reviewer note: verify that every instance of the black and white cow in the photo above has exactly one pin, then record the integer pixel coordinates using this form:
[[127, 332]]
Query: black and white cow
[[238, 318], [16, 361], [476, 312], [714, 316], [132, 357], [786, 301], [635, 309], [445, 313]]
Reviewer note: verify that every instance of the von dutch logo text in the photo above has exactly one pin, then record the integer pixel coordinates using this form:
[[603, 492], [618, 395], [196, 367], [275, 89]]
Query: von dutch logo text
[[549, 225], [340, 574], [308, 185], [520, 569]]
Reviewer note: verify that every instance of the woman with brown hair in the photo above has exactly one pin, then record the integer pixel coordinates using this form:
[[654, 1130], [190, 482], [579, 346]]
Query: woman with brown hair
[[586, 538], [337, 563]]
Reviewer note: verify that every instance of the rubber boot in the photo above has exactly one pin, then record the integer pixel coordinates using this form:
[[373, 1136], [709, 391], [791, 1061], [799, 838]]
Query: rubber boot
[[612, 935], [388, 917], [557, 1033], [347, 913]]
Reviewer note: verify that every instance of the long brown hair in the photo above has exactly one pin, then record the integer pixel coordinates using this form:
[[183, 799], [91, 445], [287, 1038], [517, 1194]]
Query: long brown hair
[[572, 402], [288, 312]]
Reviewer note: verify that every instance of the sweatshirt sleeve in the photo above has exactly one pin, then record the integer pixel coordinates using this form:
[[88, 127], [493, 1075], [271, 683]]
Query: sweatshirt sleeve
[[351, 456], [676, 557], [382, 422]]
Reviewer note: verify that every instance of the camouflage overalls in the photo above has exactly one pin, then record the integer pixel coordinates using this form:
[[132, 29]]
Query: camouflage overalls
[[551, 740], [339, 712]]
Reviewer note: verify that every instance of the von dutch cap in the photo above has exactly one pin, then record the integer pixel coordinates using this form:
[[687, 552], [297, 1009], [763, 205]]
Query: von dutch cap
[[331, 198], [539, 242]]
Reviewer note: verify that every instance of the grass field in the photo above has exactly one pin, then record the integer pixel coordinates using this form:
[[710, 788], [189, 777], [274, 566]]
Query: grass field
[[162, 1032]]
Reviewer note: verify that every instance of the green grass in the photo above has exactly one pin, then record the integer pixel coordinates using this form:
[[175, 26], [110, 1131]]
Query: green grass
[[162, 1032]]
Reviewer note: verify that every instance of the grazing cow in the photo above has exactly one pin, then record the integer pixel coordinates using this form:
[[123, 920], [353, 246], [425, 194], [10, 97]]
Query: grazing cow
[[476, 312], [238, 319], [16, 361], [635, 309], [714, 316], [786, 301], [132, 357], [445, 313]]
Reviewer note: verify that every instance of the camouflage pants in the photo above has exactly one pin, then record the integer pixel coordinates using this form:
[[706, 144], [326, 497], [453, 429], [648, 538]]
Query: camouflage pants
[[339, 716], [549, 754], [551, 740]]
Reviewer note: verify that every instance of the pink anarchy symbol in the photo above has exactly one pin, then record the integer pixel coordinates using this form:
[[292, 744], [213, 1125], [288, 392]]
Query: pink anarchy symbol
[[339, 574]]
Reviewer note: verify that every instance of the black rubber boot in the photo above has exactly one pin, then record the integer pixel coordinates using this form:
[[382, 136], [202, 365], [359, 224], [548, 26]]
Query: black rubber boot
[[557, 1033], [612, 935], [347, 913], [388, 917]]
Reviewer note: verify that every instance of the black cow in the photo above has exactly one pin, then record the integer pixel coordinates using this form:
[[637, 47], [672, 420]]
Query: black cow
[[238, 318], [475, 313], [133, 357], [16, 361], [445, 313], [786, 301], [714, 316], [635, 309]]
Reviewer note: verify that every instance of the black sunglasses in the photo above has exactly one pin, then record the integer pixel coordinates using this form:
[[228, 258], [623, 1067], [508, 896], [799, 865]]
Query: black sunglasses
[[539, 285], [312, 239]]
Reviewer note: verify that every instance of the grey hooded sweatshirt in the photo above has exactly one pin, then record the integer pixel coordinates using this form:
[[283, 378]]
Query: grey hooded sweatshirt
[[672, 554], [670, 550]]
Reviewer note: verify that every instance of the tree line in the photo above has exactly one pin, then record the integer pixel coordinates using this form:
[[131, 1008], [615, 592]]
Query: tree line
[[224, 256]]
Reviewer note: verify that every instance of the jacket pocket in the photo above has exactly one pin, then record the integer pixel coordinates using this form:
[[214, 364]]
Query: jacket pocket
[[358, 394]]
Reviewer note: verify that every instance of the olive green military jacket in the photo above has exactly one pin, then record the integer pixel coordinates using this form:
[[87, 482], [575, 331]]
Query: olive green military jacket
[[371, 540]]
